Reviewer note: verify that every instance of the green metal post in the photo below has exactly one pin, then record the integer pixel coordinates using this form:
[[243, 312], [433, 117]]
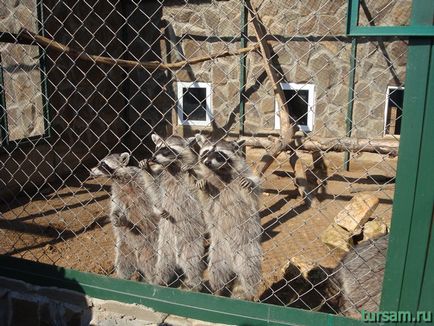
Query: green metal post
[[243, 44], [4, 133], [43, 70], [352, 14], [426, 301], [414, 196], [3, 117], [352, 20], [421, 224], [373, 31], [349, 118]]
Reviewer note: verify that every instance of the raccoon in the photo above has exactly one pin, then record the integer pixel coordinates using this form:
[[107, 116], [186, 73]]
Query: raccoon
[[230, 195], [358, 279], [134, 216], [181, 238]]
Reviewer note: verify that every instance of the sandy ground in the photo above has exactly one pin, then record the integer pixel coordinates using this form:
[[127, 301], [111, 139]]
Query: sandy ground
[[69, 226]]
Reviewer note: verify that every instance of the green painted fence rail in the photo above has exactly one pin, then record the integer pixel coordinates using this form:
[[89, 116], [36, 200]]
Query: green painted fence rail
[[188, 304]]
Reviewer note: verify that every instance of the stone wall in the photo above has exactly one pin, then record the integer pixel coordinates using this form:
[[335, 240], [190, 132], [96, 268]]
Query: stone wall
[[385, 13], [382, 64], [96, 109], [200, 30], [310, 47], [93, 109], [21, 73], [25, 304]]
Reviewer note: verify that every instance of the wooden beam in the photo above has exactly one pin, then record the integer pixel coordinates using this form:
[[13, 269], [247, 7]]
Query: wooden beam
[[372, 188], [355, 145], [287, 126]]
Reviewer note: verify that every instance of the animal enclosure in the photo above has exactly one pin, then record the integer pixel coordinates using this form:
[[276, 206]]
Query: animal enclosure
[[316, 108]]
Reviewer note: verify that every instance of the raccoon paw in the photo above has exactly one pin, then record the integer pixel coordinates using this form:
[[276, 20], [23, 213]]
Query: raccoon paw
[[162, 212], [165, 215], [201, 184], [117, 218], [143, 164], [186, 168], [119, 222], [246, 183]]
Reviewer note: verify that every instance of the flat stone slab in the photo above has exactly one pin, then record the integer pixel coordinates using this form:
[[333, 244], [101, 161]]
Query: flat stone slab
[[374, 229], [337, 237], [357, 212]]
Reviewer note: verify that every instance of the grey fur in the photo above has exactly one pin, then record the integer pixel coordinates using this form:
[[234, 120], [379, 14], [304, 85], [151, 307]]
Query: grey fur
[[181, 240], [359, 277], [134, 216], [230, 195]]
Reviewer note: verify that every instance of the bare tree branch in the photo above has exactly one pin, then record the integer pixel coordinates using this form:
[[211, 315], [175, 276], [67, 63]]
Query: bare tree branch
[[152, 65]]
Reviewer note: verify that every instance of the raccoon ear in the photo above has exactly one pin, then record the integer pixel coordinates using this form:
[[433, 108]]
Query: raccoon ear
[[191, 141], [125, 158], [157, 139], [238, 144], [201, 139]]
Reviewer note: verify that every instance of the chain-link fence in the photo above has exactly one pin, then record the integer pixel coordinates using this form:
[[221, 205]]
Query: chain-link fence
[[267, 214]]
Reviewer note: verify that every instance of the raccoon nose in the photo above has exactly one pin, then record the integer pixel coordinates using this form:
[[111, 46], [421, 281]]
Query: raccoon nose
[[207, 163]]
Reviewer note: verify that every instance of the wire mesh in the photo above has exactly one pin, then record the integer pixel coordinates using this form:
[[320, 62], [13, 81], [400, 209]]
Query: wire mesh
[[64, 111]]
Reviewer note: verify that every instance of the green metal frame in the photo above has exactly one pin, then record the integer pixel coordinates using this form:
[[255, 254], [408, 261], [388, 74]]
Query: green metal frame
[[410, 240], [408, 283], [3, 121], [243, 57], [189, 304], [11, 144], [43, 69], [353, 28], [349, 117]]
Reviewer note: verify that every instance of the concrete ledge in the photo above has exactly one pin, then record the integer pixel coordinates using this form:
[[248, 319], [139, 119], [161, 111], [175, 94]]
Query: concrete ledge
[[25, 304]]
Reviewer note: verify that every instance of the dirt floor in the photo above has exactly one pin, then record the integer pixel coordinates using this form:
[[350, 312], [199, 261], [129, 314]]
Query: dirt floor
[[69, 226]]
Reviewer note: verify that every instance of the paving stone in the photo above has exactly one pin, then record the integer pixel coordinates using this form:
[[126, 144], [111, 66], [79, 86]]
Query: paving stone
[[337, 237], [357, 212], [374, 229]]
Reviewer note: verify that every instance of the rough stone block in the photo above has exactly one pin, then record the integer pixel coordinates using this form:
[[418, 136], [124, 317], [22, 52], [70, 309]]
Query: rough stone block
[[204, 323], [303, 75], [219, 75], [62, 295], [184, 16], [340, 96], [139, 312], [357, 212], [173, 320], [374, 229], [336, 237], [178, 321]]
